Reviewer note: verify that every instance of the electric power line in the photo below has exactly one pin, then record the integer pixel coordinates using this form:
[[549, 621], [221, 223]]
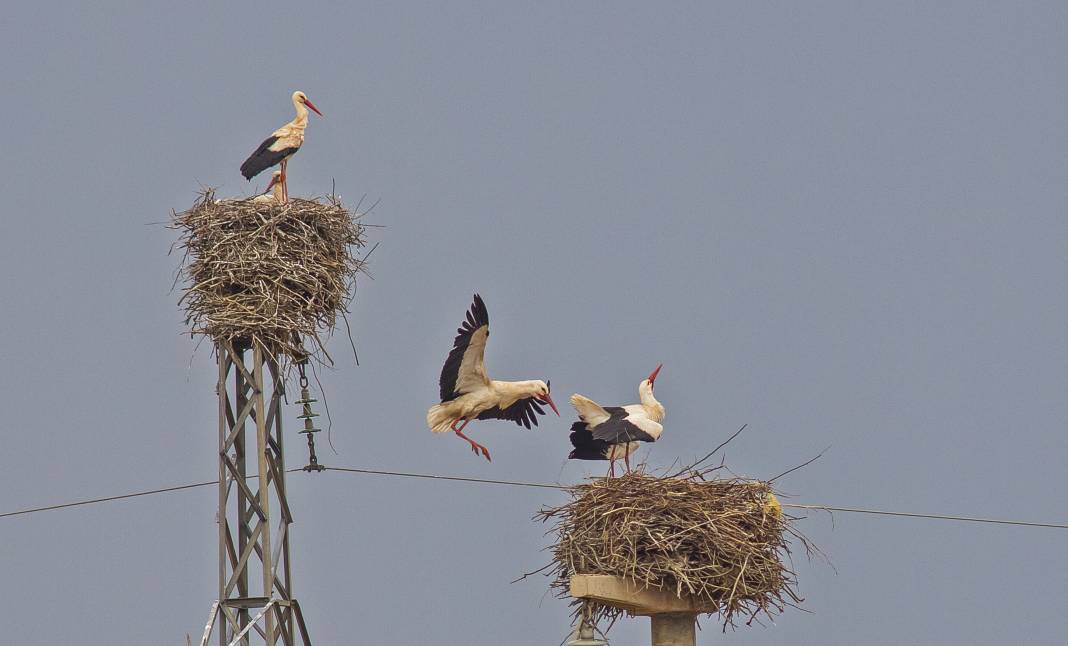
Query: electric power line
[[93, 501], [851, 510], [453, 478], [541, 485], [905, 514]]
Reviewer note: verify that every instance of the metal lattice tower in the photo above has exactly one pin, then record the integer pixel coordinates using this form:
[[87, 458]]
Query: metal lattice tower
[[256, 603]]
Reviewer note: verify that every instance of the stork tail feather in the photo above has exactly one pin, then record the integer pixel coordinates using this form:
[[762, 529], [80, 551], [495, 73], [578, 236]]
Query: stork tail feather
[[438, 419]]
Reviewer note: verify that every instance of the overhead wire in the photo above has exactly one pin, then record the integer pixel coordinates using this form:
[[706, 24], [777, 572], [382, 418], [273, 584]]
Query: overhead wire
[[541, 485], [136, 494], [93, 501], [906, 514], [851, 510], [430, 476]]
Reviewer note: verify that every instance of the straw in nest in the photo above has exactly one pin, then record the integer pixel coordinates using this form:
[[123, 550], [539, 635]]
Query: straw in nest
[[723, 541], [268, 275]]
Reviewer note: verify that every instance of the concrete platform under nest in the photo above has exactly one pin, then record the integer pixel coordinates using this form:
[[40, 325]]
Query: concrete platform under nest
[[672, 618], [627, 595]]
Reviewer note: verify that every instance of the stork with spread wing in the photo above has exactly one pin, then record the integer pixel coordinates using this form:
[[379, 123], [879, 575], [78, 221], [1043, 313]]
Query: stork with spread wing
[[613, 432], [467, 393]]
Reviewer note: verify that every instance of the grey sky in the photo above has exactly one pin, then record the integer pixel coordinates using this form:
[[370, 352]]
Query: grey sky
[[843, 223]]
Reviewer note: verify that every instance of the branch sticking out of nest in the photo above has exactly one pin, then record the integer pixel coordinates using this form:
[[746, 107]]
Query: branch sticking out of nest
[[268, 275], [722, 541]]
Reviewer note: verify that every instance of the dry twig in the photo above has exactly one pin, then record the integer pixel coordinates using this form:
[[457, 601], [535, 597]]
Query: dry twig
[[721, 540], [268, 275]]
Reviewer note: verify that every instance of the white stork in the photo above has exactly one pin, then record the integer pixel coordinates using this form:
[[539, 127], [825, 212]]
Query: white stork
[[275, 187], [613, 432], [467, 393], [281, 145]]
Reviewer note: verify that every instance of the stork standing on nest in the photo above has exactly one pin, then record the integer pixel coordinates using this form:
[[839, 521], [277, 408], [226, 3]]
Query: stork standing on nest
[[613, 432], [275, 187], [467, 393], [281, 145]]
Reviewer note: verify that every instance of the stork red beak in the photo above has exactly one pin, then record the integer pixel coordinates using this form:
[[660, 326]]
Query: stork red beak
[[312, 107], [546, 399], [653, 374], [273, 181]]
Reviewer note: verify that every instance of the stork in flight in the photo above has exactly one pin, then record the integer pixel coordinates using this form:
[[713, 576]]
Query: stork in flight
[[281, 145], [467, 393], [613, 432], [275, 187]]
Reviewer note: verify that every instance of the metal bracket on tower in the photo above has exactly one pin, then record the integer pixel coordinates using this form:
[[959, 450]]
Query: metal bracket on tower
[[584, 636], [585, 632], [307, 415]]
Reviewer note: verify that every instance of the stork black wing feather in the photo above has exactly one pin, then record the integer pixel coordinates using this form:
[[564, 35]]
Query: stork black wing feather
[[476, 317], [524, 412], [617, 429], [264, 158], [586, 447]]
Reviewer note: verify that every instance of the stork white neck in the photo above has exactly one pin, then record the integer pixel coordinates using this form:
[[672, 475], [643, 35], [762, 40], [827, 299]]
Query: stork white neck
[[653, 408], [301, 120], [512, 391]]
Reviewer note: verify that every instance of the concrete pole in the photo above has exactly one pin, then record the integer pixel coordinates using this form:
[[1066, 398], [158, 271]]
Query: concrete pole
[[678, 629]]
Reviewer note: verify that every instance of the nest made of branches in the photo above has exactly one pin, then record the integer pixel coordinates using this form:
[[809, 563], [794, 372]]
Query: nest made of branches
[[262, 274], [721, 540]]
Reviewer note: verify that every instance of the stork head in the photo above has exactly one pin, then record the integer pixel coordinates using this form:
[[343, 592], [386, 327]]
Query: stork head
[[276, 177], [541, 395], [302, 99], [654, 408], [652, 376]]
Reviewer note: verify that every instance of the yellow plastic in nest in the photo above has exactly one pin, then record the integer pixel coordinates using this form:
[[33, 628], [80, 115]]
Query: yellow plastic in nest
[[772, 507]]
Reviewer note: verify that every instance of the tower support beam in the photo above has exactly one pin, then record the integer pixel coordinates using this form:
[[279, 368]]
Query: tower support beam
[[255, 603]]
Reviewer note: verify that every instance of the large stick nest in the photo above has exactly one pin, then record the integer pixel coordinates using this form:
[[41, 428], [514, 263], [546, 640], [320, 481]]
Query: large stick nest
[[268, 275], [722, 541]]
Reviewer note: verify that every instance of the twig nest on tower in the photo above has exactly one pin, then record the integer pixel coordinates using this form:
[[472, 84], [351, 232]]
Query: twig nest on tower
[[720, 542], [261, 274]]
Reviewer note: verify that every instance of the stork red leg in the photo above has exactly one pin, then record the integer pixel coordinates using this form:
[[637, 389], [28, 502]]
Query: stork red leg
[[626, 461], [475, 446], [285, 186]]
